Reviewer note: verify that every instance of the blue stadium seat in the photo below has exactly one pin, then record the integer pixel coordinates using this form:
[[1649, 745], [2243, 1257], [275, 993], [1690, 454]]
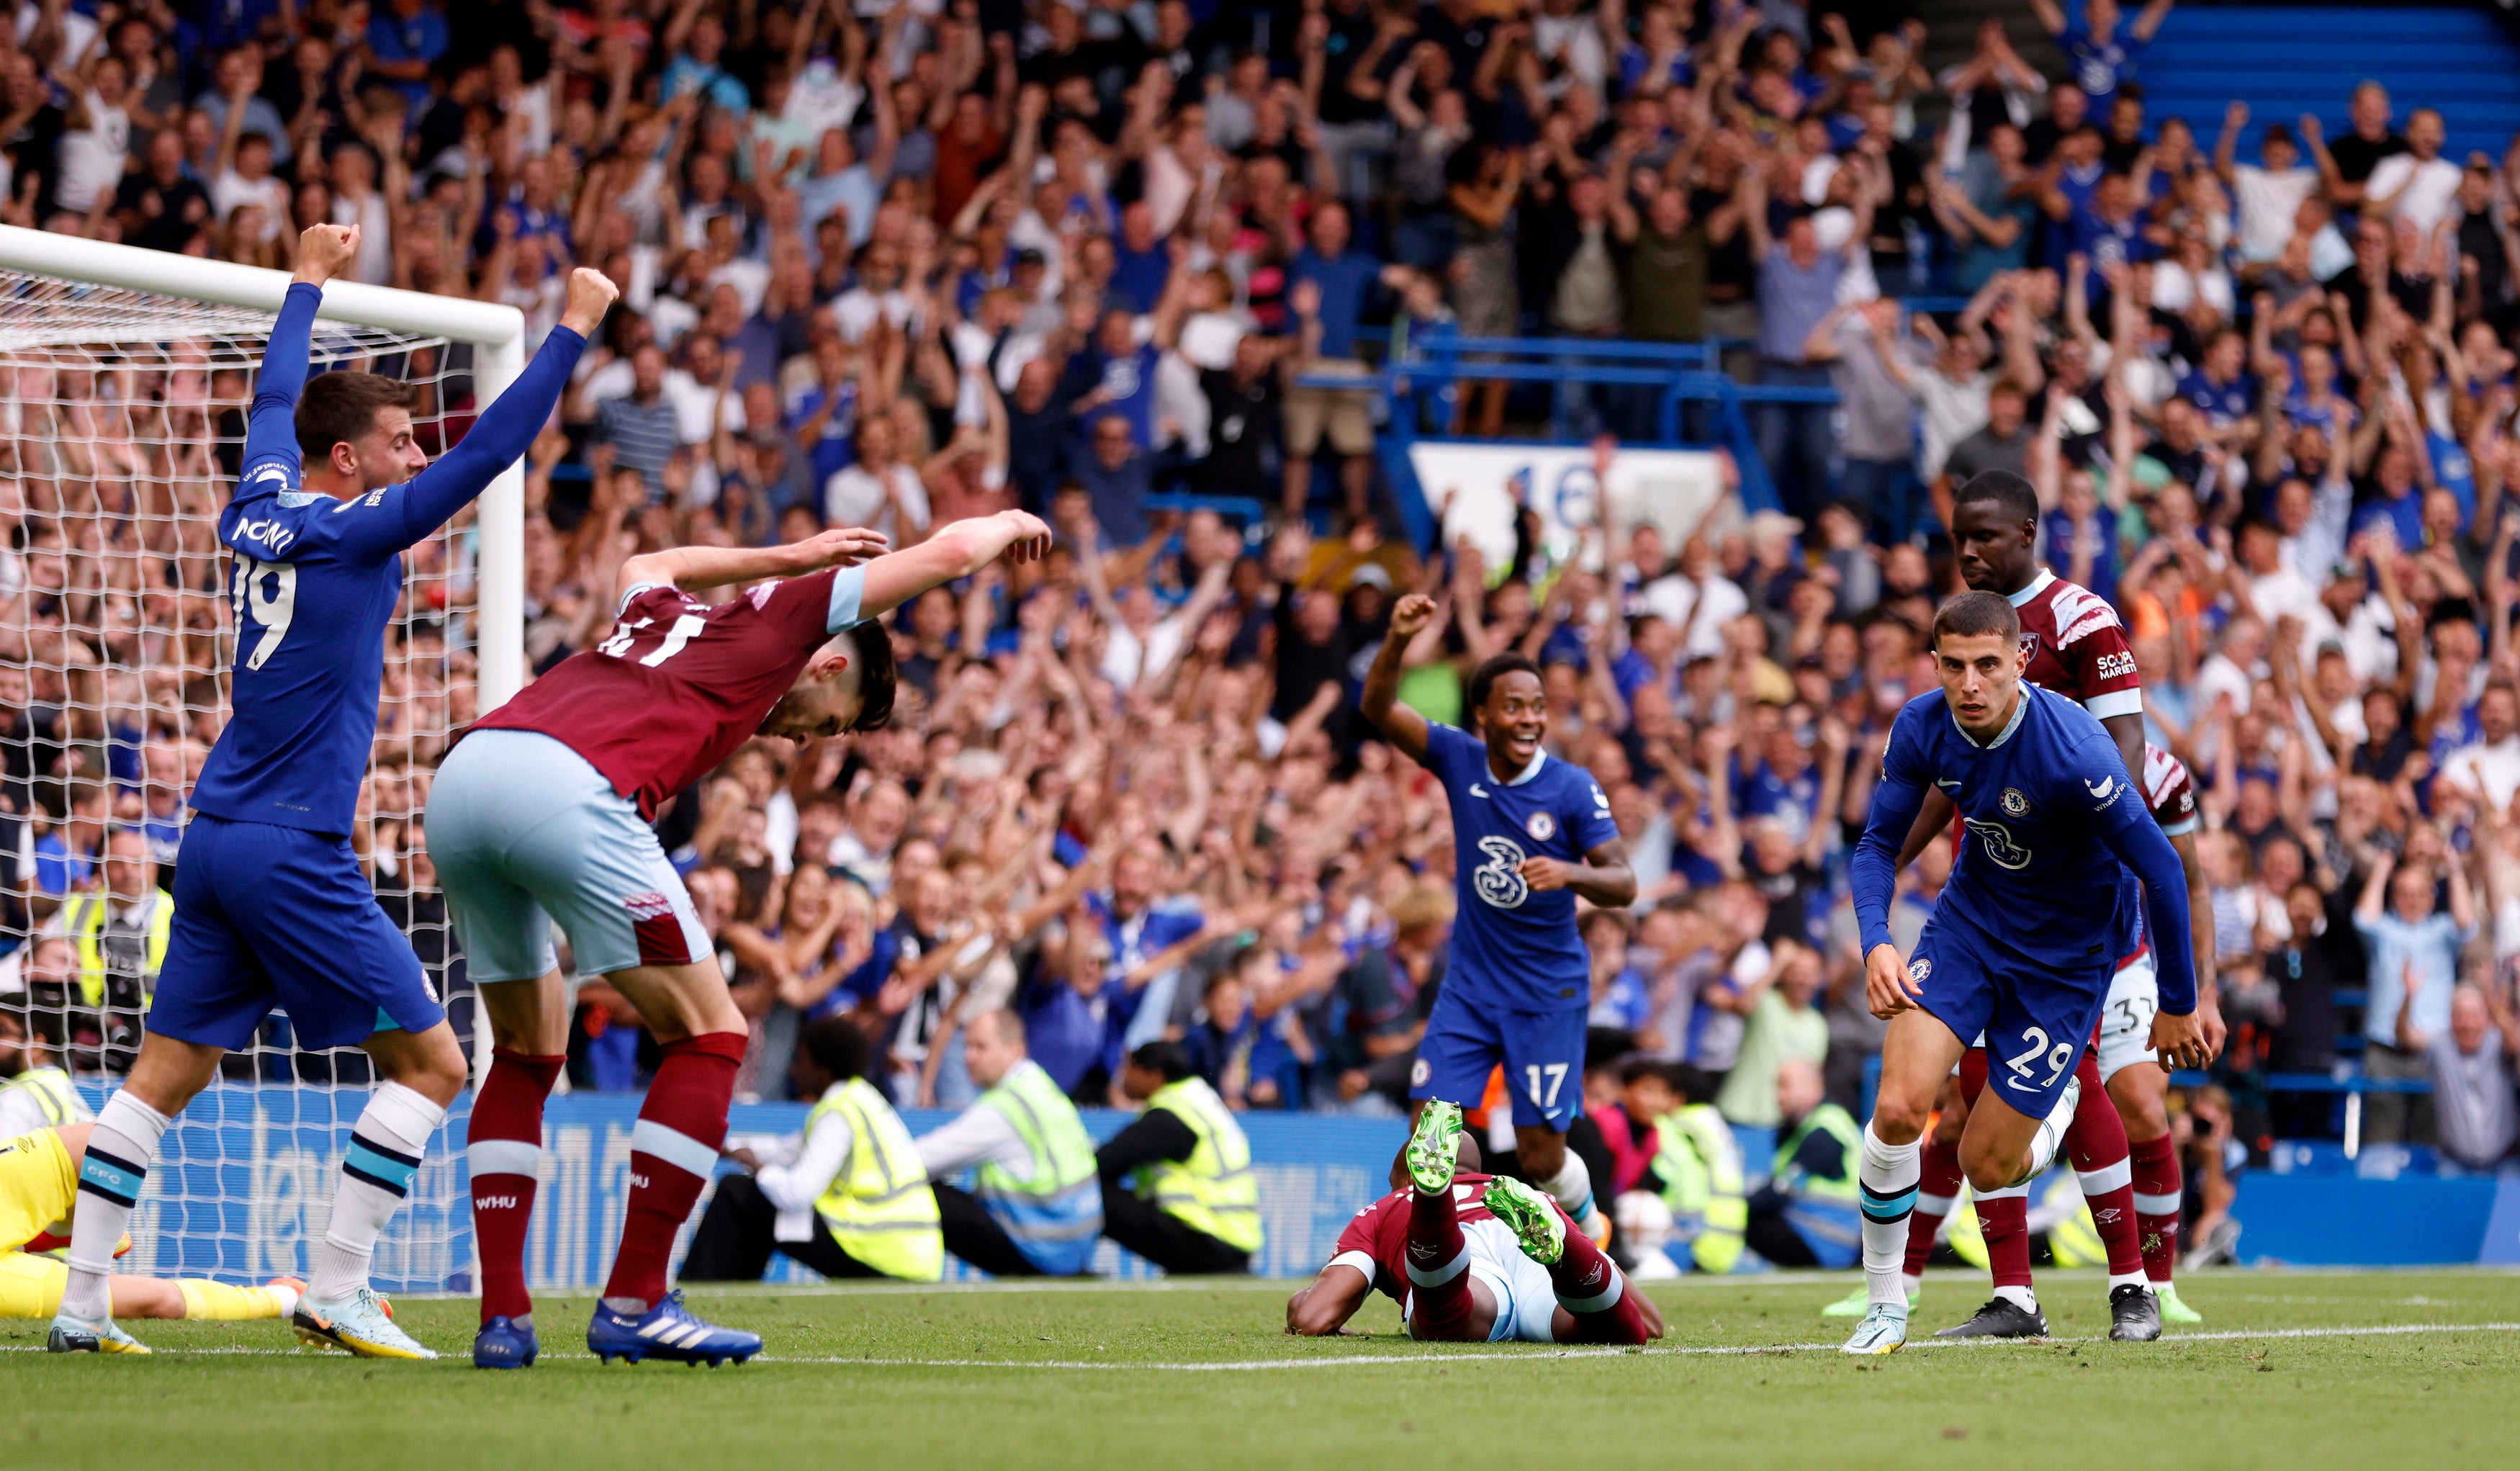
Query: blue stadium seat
[[2285, 61]]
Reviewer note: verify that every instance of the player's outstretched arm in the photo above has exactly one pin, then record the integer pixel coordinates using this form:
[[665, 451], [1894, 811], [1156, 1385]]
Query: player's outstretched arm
[[509, 425], [1873, 871], [1403, 726], [951, 555], [692, 568], [1324, 1308], [2131, 833], [271, 427], [2200, 921]]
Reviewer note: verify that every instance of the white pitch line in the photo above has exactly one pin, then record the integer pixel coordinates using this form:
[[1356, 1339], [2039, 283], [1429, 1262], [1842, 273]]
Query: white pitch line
[[1447, 1358]]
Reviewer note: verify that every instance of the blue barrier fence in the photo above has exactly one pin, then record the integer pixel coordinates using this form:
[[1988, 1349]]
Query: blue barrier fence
[[244, 1177]]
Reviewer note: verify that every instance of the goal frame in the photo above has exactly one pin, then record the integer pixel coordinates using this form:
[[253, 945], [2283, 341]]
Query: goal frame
[[496, 333]]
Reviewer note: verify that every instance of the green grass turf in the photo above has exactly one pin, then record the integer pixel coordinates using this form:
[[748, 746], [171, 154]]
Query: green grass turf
[[998, 1377]]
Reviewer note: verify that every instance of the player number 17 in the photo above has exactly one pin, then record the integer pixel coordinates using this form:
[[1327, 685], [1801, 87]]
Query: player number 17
[[1554, 1073], [2059, 1057]]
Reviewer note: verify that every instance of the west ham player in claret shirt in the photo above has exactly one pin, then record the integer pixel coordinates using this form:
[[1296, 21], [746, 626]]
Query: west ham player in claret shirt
[[541, 813], [1472, 1258], [1531, 834]]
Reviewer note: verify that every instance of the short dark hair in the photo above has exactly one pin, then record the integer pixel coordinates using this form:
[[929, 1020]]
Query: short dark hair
[[878, 675], [1484, 678], [837, 1047], [1968, 615], [2011, 493], [1166, 1058], [344, 406]]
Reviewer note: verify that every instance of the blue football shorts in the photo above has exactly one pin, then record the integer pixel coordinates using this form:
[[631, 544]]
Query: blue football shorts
[[270, 917]]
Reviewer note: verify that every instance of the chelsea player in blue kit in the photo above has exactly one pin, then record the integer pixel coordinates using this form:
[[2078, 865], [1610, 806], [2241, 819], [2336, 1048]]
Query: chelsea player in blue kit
[[1530, 835], [271, 907], [2024, 938]]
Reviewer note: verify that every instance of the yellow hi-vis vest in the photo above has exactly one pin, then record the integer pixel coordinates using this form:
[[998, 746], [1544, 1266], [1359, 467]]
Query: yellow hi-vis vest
[[1701, 1164], [1213, 1191], [52, 1093], [879, 1209], [85, 916], [1055, 1218]]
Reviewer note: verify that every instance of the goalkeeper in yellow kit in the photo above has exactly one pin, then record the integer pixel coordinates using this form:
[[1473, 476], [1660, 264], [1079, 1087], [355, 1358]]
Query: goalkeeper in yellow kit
[[38, 1191]]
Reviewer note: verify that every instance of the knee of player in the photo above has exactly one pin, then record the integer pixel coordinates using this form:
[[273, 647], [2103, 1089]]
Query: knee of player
[[1985, 1170], [1898, 1120], [438, 1072]]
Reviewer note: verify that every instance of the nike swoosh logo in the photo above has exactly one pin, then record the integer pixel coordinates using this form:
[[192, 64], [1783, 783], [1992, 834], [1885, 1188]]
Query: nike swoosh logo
[[1478, 790], [2018, 1083], [1951, 786]]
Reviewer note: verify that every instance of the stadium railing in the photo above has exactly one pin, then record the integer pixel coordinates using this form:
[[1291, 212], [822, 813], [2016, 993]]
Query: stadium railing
[[1430, 364]]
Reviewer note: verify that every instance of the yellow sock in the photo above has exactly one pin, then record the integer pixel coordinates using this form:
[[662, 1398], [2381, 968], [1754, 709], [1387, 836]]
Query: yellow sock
[[218, 1300]]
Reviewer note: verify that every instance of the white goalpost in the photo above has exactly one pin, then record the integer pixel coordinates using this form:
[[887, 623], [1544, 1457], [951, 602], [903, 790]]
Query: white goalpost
[[124, 378]]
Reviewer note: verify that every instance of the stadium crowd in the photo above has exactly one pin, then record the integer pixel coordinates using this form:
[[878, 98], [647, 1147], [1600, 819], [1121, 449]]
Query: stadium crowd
[[892, 266]]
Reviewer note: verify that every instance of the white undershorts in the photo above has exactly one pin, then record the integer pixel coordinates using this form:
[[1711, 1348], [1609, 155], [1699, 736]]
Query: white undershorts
[[1526, 1300], [2126, 1020]]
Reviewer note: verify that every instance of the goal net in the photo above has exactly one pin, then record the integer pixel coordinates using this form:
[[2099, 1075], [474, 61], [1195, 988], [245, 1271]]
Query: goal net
[[121, 430]]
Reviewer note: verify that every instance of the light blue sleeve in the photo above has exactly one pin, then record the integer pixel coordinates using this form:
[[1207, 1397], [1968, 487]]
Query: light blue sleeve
[[849, 594]]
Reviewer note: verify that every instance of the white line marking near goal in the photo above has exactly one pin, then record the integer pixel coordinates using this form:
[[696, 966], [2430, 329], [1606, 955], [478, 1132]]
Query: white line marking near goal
[[1445, 1356]]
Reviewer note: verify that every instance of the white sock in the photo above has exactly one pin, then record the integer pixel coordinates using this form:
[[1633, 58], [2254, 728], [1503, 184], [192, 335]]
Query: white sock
[[119, 1152], [2118, 1279], [1573, 1187], [2020, 1297], [1912, 1283], [1888, 1180], [385, 1147], [2050, 1136]]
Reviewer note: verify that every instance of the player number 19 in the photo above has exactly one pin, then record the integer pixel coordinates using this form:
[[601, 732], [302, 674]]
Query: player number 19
[[1554, 1073], [274, 613], [2059, 1057]]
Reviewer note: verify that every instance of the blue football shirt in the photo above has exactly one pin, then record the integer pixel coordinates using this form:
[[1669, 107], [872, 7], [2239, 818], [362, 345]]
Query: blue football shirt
[[1512, 948], [2056, 839], [316, 579]]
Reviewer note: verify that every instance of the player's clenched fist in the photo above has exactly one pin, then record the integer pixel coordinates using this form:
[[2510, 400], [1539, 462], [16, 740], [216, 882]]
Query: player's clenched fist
[[1410, 615], [591, 293], [1887, 991], [1543, 874], [322, 251]]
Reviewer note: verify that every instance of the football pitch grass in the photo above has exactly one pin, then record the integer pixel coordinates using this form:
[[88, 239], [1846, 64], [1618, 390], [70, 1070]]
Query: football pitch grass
[[2291, 1370]]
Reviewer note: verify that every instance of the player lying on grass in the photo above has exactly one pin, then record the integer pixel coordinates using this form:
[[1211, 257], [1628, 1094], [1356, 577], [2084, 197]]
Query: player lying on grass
[[1472, 1258], [2057, 841], [272, 909], [541, 813], [39, 1195], [1531, 834]]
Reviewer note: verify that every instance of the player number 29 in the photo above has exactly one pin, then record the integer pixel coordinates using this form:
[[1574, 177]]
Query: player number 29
[[274, 613], [2059, 1057], [1556, 1076]]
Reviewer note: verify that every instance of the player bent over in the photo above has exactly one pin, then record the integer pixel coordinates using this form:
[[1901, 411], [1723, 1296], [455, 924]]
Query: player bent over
[[541, 813], [2011, 950], [1530, 835], [1472, 1258], [38, 1198], [272, 909]]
